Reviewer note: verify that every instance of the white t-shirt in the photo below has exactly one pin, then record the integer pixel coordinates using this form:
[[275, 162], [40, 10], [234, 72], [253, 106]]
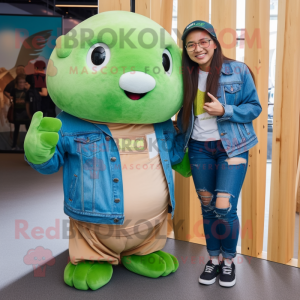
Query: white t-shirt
[[205, 125]]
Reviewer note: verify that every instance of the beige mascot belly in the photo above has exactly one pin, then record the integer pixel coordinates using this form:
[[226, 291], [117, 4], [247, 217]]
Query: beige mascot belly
[[146, 198]]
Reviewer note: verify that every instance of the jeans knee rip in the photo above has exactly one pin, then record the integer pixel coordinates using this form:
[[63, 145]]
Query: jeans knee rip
[[205, 207], [224, 192], [222, 212]]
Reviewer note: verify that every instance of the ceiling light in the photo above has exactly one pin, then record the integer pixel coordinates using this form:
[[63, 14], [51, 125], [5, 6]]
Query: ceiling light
[[75, 5]]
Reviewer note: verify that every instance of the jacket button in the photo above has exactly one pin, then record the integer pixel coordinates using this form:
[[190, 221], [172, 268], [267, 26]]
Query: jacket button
[[116, 220], [107, 138], [116, 180], [248, 132], [113, 159], [223, 133], [117, 200], [231, 89]]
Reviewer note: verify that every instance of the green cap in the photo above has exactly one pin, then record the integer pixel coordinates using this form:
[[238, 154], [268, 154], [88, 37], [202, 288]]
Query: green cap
[[201, 25]]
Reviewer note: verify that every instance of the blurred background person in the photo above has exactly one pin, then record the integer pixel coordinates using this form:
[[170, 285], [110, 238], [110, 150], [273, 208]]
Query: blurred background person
[[11, 85], [18, 98], [38, 97]]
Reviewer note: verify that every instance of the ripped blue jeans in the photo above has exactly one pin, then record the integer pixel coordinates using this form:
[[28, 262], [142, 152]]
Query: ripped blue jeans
[[214, 173]]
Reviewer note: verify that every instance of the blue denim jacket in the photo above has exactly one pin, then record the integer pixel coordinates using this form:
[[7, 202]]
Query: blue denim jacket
[[92, 176], [238, 96]]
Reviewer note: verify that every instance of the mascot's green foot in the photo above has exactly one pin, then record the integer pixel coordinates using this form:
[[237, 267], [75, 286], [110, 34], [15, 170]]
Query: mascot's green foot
[[88, 274], [153, 265]]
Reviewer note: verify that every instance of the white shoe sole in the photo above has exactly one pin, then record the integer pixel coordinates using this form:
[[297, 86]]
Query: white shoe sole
[[227, 284], [207, 282]]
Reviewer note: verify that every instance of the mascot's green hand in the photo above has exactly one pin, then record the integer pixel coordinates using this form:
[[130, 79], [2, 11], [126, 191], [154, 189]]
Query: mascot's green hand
[[41, 138]]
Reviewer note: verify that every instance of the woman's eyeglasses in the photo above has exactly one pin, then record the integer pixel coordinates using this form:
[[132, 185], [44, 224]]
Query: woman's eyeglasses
[[204, 43]]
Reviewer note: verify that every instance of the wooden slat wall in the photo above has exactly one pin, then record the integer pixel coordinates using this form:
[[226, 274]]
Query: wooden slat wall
[[285, 134], [223, 18], [106, 5], [254, 188], [188, 222], [159, 11], [285, 185]]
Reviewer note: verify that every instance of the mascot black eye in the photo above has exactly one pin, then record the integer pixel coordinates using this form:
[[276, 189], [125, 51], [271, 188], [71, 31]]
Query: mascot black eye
[[167, 62], [98, 56]]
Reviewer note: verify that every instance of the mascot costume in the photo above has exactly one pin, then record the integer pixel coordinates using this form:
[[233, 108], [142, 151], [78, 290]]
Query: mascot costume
[[117, 80]]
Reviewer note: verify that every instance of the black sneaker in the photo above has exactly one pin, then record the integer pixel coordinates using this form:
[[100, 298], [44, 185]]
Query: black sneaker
[[210, 273], [227, 276]]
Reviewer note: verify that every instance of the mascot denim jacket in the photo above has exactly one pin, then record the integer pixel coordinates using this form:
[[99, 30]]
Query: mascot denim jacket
[[238, 96], [92, 173]]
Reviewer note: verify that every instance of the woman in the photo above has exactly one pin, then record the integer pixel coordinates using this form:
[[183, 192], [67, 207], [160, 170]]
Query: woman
[[220, 103], [18, 95]]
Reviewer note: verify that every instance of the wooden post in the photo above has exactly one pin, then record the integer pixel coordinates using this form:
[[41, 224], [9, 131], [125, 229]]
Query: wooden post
[[189, 11], [297, 194], [159, 11], [188, 221], [166, 15], [298, 181], [106, 5], [143, 7], [223, 18], [254, 188], [285, 134]]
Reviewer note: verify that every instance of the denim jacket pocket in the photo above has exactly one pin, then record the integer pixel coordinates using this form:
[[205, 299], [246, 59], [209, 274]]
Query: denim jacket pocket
[[241, 132], [73, 187], [230, 92], [246, 128], [244, 132], [88, 144]]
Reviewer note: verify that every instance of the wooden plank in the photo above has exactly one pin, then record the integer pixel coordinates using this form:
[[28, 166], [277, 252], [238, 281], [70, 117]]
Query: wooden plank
[[159, 11], [188, 221], [155, 11], [143, 7], [189, 11], [254, 187], [106, 5], [285, 134], [298, 185], [166, 15], [223, 18]]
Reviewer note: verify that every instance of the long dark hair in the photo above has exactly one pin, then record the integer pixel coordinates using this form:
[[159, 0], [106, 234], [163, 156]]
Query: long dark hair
[[190, 72]]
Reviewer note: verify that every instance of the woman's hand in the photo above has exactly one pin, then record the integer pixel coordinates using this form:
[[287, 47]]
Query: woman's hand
[[214, 108]]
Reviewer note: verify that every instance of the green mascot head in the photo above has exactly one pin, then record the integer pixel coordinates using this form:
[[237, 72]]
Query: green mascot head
[[117, 67]]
